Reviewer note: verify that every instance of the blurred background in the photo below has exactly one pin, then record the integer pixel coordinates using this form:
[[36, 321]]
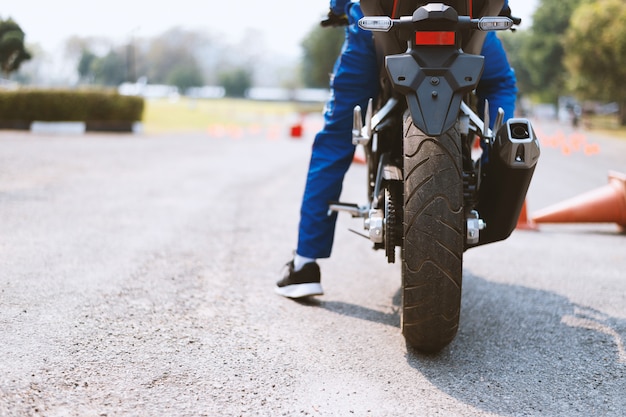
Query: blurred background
[[567, 53]]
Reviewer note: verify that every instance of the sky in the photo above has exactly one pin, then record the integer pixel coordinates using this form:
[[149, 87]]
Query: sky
[[281, 24]]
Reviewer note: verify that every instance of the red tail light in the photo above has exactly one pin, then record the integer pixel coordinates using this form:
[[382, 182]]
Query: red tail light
[[435, 38]]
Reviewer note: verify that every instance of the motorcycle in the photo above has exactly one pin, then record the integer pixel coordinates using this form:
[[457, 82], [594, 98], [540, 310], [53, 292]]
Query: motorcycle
[[429, 192]]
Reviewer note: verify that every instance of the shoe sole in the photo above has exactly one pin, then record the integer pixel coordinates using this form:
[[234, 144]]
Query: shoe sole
[[300, 290]]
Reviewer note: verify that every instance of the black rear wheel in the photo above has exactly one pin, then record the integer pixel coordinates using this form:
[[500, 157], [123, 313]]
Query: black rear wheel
[[432, 257]]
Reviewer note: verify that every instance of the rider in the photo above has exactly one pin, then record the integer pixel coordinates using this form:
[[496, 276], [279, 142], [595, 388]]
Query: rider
[[354, 82]]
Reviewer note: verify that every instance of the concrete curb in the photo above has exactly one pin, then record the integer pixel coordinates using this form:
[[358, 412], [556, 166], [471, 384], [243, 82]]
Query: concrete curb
[[73, 128]]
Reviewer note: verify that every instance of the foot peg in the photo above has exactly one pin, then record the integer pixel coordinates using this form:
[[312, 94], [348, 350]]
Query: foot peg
[[353, 209], [374, 219]]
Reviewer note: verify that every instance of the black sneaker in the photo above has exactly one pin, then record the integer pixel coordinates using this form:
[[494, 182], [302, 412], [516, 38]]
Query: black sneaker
[[302, 283]]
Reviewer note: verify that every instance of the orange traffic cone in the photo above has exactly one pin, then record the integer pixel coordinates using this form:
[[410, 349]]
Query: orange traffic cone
[[603, 205], [476, 143], [296, 130], [358, 159], [523, 222], [359, 156]]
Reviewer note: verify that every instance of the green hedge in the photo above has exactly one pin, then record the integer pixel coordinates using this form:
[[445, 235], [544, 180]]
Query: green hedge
[[97, 108]]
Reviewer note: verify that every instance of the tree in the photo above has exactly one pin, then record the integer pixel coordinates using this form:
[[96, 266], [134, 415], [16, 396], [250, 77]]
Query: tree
[[34, 69], [168, 53], [86, 65], [167, 59], [514, 44], [236, 82], [543, 51], [12, 51], [595, 48], [185, 77], [110, 69], [321, 49]]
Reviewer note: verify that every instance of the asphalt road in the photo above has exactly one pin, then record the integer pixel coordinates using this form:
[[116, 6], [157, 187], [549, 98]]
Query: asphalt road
[[137, 273]]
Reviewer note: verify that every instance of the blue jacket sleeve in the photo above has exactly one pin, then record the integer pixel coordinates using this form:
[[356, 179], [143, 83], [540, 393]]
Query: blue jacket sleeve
[[339, 6]]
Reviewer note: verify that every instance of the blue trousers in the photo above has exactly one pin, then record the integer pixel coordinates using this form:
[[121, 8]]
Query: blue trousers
[[354, 82]]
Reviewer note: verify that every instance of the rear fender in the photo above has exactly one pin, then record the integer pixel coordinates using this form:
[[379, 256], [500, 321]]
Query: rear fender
[[434, 81]]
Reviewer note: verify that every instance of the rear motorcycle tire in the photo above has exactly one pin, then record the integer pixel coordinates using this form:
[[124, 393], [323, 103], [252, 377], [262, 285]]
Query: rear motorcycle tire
[[432, 256]]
